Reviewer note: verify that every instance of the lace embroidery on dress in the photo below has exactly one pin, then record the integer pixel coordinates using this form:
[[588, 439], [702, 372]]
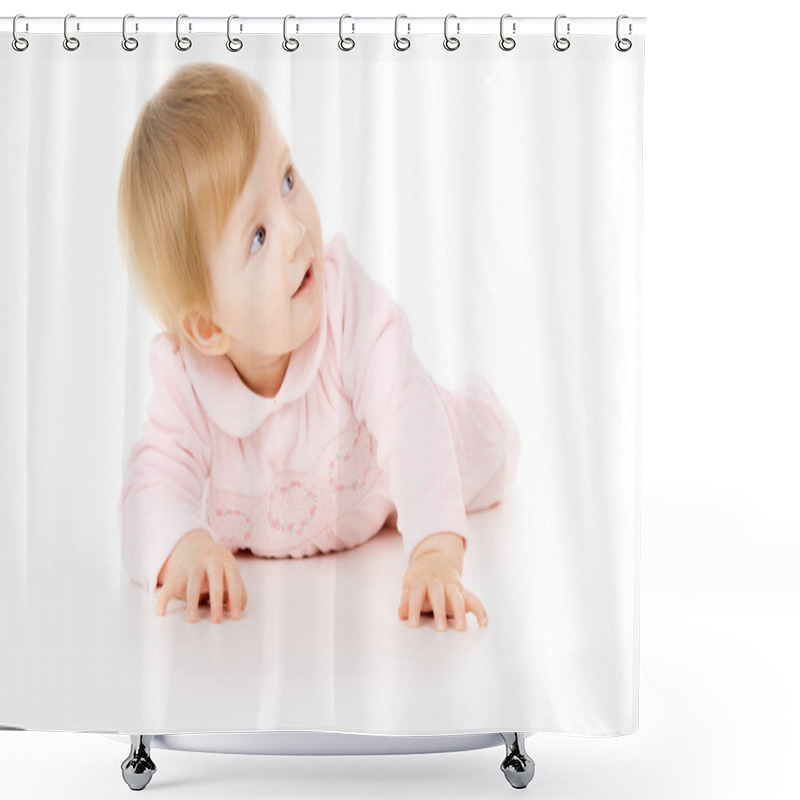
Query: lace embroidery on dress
[[299, 506]]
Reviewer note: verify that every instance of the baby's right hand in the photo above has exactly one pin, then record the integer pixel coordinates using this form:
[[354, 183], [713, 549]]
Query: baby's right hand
[[199, 566]]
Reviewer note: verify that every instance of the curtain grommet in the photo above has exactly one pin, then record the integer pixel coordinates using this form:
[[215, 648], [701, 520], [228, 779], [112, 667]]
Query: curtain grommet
[[19, 43], [561, 43], [129, 43], [451, 42], [183, 43], [401, 43], [623, 45], [234, 45], [506, 42], [70, 43], [345, 42]]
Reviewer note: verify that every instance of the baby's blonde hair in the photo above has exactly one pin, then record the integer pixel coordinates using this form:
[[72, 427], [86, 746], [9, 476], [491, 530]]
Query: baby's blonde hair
[[189, 156]]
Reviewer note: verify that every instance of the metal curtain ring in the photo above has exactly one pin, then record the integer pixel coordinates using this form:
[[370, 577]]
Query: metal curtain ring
[[561, 44], [234, 45], [451, 42], [346, 43], [70, 42], [401, 43], [181, 42], [623, 45], [506, 42], [18, 43], [129, 43], [290, 45]]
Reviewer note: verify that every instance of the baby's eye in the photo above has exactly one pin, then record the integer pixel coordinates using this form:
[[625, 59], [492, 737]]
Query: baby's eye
[[290, 178], [260, 233]]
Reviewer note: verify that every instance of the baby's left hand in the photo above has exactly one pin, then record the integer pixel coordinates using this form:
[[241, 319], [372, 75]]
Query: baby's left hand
[[433, 583]]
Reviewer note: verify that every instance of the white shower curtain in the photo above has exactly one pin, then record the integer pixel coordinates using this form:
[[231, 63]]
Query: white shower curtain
[[491, 200]]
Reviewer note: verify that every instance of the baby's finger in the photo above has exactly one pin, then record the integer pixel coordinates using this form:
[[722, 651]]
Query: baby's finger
[[475, 605], [193, 586], [415, 600], [167, 592], [216, 589], [457, 605], [438, 604], [236, 590], [402, 611]]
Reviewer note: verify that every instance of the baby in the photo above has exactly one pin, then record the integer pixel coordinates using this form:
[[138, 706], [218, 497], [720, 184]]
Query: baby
[[290, 415]]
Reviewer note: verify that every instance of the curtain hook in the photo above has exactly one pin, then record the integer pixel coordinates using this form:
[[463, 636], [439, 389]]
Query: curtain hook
[[290, 45], [623, 45], [18, 43], [182, 42], [346, 43], [451, 42], [506, 42], [234, 45], [561, 43], [401, 43], [129, 43], [70, 42]]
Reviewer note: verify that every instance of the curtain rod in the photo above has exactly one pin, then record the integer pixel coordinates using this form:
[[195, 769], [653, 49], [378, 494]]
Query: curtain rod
[[324, 25]]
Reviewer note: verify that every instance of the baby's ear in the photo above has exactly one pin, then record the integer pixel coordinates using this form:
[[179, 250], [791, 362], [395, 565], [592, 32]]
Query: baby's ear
[[207, 337]]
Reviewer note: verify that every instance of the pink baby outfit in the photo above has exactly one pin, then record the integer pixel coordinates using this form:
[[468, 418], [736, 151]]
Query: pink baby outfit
[[357, 434]]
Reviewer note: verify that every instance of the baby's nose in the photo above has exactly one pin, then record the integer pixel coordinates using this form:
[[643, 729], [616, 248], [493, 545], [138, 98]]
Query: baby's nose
[[295, 239]]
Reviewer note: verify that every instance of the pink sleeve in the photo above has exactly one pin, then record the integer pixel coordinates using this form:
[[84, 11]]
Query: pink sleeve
[[162, 493], [396, 398]]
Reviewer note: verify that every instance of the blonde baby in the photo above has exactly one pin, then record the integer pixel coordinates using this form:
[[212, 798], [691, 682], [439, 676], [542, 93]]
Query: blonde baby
[[290, 415]]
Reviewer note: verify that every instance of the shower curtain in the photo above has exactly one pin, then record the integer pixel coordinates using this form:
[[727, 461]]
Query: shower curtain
[[358, 333]]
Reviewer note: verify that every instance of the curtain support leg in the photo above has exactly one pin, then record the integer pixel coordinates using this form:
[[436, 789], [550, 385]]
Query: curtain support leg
[[138, 768], [518, 766]]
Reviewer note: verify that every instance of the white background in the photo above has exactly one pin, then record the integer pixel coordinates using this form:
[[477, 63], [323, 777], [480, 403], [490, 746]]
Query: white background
[[721, 437]]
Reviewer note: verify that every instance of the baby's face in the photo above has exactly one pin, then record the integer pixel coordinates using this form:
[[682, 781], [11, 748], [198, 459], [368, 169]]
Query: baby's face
[[270, 241]]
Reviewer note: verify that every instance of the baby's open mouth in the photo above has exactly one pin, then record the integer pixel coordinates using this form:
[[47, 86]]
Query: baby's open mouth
[[306, 278]]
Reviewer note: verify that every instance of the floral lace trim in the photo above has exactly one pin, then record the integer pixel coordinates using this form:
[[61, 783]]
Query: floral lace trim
[[299, 506]]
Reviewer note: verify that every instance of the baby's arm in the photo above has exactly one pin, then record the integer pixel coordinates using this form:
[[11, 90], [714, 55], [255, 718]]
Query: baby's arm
[[161, 500], [392, 392]]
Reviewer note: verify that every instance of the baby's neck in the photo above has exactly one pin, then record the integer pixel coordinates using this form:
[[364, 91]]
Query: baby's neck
[[265, 377]]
